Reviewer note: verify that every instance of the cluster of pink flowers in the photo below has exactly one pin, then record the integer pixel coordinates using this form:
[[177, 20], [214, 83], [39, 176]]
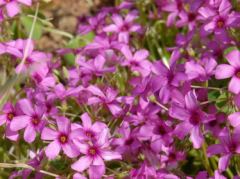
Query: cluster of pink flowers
[[119, 111]]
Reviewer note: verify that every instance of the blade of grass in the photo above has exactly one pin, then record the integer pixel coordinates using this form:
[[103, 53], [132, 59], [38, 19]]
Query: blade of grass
[[26, 50]]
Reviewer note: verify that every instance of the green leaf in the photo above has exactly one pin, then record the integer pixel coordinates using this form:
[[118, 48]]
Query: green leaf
[[81, 41], [27, 23], [77, 42]]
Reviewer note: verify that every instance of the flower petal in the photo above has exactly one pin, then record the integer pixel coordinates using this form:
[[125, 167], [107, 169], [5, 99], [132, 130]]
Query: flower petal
[[234, 119], [12, 9], [86, 120], [215, 149], [63, 124], [82, 164], [224, 71], [141, 55], [49, 134], [70, 150], [3, 119], [96, 172], [223, 162], [53, 149], [126, 52], [26, 2], [19, 122], [234, 58], [110, 155], [234, 86], [29, 134], [196, 137], [26, 107]]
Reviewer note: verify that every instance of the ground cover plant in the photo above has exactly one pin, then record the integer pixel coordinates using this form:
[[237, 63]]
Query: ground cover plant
[[143, 89]]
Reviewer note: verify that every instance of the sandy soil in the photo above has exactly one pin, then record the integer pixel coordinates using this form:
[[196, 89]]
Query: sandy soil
[[64, 15]]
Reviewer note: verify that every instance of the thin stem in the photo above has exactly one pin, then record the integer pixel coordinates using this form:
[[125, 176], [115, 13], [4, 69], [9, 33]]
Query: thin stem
[[28, 45], [59, 32], [205, 159], [160, 105], [23, 165], [204, 87]]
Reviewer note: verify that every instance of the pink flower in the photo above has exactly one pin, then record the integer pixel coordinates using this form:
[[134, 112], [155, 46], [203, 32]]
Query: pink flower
[[123, 27], [94, 156], [34, 59], [229, 145], [233, 70], [88, 131], [6, 118], [137, 61], [95, 66], [31, 120], [12, 6], [61, 139], [109, 99], [188, 111]]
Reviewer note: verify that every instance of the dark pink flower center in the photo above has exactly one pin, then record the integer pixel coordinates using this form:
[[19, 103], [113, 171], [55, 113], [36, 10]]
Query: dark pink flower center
[[35, 121], [232, 147], [220, 23], [92, 151], [10, 116], [129, 141], [191, 17], [159, 130], [195, 118], [134, 63], [238, 74], [213, 123], [172, 156], [125, 27], [89, 134], [63, 138], [29, 61]]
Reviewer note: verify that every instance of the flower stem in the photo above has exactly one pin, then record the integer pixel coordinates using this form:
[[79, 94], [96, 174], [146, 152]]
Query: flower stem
[[23, 165], [206, 87], [205, 159]]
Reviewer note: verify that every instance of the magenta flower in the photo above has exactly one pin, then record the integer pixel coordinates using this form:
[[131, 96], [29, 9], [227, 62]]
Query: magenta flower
[[88, 131], [202, 70], [174, 8], [32, 119], [92, 23], [171, 77], [218, 18], [145, 171], [6, 118], [61, 139], [109, 99], [12, 6], [94, 156], [137, 61], [128, 144], [34, 59], [233, 70], [191, 116], [229, 145], [95, 66], [123, 27], [158, 133]]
